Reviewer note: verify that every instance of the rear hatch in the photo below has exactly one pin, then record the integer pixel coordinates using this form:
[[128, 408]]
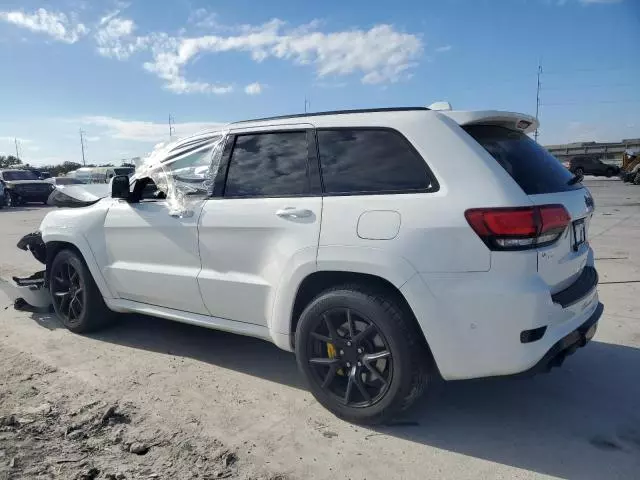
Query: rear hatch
[[546, 182]]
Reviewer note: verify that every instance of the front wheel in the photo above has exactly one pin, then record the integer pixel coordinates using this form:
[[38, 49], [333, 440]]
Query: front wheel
[[12, 200], [579, 171], [76, 298], [362, 357]]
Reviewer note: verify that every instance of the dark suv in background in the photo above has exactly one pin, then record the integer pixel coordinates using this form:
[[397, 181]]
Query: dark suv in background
[[24, 186], [588, 165]]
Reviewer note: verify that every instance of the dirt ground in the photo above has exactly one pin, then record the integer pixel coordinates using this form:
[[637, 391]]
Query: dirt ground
[[150, 398], [54, 426]]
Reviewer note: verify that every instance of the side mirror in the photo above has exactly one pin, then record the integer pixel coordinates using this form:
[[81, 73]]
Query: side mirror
[[120, 187]]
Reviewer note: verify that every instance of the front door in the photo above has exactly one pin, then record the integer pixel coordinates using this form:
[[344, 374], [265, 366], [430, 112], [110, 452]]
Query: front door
[[266, 222], [152, 257], [152, 246]]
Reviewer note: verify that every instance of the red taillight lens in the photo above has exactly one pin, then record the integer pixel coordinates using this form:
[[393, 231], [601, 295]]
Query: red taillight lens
[[518, 228]]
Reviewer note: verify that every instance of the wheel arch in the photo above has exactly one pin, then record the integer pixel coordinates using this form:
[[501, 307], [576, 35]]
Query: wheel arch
[[81, 247], [317, 282]]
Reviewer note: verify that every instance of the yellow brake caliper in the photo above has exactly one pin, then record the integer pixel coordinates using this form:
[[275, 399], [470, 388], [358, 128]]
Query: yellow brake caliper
[[331, 353]]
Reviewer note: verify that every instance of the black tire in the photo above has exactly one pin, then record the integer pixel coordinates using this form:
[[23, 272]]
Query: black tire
[[10, 200], [578, 171], [76, 298], [392, 384], [610, 172]]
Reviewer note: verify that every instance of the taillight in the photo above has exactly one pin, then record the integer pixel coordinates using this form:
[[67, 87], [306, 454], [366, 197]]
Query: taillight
[[518, 228]]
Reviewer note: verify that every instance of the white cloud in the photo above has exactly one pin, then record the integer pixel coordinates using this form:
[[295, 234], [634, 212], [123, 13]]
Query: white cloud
[[143, 131], [253, 89], [7, 138], [380, 54], [56, 25], [444, 48], [94, 138], [115, 37]]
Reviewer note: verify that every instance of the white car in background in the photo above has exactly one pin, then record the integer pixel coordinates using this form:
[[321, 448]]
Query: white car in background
[[384, 247]]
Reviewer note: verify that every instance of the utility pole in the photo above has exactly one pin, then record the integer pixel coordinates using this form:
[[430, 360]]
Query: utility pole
[[307, 102], [15, 140], [84, 163], [172, 129], [535, 135]]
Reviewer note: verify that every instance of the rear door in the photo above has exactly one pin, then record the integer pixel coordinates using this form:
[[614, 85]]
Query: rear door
[[543, 178], [265, 223]]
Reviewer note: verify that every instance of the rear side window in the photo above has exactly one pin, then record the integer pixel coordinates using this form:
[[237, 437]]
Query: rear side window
[[268, 165], [371, 161], [529, 164]]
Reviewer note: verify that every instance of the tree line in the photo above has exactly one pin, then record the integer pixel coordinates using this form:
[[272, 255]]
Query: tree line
[[10, 161]]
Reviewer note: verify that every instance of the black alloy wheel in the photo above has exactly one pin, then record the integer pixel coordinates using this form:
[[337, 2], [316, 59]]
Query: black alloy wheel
[[76, 298], [68, 292], [362, 353], [350, 357]]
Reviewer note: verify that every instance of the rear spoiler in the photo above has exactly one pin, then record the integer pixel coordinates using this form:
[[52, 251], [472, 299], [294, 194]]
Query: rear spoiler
[[514, 121]]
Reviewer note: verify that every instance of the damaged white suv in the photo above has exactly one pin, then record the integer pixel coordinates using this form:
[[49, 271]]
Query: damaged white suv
[[383, 247]]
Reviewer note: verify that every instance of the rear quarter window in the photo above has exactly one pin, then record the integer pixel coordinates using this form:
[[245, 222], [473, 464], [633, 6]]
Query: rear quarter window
[[370, 161], [533, 168]]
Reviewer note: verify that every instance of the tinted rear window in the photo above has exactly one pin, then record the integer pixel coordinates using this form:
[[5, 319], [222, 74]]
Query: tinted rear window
[[370, 161], [529, 164]]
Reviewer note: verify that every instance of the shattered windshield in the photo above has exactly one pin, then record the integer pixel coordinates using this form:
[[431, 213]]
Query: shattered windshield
[[184, 172]]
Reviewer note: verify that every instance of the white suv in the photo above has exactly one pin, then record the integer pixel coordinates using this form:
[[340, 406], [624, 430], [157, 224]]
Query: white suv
[[384, 247]]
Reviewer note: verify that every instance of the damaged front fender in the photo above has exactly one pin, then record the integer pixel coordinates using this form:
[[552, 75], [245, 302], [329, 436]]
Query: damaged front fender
[[33, 243]]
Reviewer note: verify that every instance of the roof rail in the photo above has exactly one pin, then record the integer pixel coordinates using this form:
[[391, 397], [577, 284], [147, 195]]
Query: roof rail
[[335, 112]]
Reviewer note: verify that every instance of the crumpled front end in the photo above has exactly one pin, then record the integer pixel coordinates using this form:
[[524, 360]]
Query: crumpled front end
[[31, 291]]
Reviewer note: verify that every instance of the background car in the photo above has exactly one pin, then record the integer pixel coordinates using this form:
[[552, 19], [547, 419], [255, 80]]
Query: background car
[[58, 181], [24, 186], [590, 165], [1, 195]]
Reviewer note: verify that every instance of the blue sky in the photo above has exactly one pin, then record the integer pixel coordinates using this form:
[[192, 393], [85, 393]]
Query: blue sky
[[118, 69]]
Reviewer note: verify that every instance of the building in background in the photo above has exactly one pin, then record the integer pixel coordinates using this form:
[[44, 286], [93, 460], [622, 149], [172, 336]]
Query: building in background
[[608, 152]]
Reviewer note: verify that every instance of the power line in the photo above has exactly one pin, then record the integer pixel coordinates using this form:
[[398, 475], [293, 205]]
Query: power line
[[82, 146], [597, 69], [574, 87], [15, 140], [589, 102], [172, 129], [535, 135]]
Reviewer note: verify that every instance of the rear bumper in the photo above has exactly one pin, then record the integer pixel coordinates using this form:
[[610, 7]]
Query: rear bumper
[[474, 322], [567, 345]]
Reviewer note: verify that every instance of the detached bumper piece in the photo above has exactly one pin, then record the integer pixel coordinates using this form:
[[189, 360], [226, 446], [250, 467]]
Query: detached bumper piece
[[567, 345], [30, 291]]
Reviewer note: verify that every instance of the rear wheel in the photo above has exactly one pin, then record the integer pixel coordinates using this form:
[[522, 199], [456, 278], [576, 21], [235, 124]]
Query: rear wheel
[[578, 171], [610, 172], [361, 355], [75, 296]]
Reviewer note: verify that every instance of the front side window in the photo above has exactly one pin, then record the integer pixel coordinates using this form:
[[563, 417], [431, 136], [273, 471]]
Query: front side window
[[268, 165], [189, 174], [370, 161]]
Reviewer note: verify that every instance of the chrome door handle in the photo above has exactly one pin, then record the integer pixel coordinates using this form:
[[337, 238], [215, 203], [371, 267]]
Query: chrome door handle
[[292, 212], [182, 214]]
